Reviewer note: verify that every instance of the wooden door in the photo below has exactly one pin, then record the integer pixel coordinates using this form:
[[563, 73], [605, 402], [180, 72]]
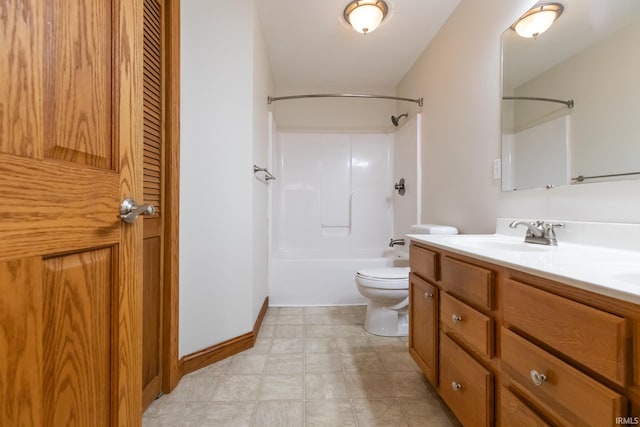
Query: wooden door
[[70, 269], [154, 137]]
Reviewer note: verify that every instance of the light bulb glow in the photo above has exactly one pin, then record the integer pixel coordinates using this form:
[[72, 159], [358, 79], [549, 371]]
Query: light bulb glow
[[537, 20], [365, 15]]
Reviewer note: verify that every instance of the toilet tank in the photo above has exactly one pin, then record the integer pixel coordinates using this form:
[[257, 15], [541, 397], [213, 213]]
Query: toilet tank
[[433, 229]]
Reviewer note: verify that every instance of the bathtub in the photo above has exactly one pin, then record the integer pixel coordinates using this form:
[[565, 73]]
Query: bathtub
[[312, 277]]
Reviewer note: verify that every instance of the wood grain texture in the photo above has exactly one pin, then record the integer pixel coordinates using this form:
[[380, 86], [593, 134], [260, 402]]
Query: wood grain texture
[[514, 413], [424, 262], [21, 351], [474, 328], [172, 366], [592, 337], [473, 403], [49, 207], [258, 323], [153, 100], [205, 357], [151, 320], [469, 282], [22, 82], [78, 115], [423, 326], [77, 339], [128, 31], [575, 397]]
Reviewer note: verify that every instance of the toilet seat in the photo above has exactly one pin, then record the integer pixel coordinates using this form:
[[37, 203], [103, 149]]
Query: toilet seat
[[393, 278]]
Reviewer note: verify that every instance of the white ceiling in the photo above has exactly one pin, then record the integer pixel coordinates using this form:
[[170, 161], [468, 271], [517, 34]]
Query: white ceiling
[[311, 46]]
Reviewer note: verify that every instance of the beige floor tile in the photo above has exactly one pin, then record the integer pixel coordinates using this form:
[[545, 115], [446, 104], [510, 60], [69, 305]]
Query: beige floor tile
[[313, 365], [318, 331], [398, 361], [409, 385], [280, 413], [329, 413], [325, 386], [288, 331], [195, 387], [261, 346], [181, 414], [286, 387], [427, 412], [228, 414], [290, 319], [361, 362], [341, 331], [218, 368], [238, 387], [320, 345], [247, 364], [319, 362], [388, 344], [354, 344], [379, 413], [368, 385], [287, 345], [285, 364]]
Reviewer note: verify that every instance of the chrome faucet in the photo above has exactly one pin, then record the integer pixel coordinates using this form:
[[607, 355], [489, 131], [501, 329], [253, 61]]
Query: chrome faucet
[[394, 242], [539, 232]]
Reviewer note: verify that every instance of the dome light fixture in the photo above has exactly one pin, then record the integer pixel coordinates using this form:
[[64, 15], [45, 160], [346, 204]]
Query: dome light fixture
[[365, 15], [537, 20]]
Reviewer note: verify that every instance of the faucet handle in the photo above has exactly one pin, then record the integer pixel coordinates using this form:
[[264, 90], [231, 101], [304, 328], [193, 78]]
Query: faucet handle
[[550, 228]]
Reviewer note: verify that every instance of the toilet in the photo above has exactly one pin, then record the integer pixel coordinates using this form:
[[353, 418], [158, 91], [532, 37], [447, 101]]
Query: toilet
[[387, 291]]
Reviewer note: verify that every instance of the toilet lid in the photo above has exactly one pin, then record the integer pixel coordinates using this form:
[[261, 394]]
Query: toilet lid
[[389, 273]]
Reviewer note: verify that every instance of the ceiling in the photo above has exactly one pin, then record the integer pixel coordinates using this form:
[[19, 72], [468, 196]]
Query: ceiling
[[311, 46]]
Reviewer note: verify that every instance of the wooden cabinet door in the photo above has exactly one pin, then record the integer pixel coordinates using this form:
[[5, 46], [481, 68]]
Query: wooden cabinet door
[[70, 269], [423, 326]]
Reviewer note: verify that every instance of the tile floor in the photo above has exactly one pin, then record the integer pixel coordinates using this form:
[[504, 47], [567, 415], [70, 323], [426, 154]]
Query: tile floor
[[311, 366]]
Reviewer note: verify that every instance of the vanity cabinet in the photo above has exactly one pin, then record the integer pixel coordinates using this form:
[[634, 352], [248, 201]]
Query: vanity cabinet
[[509, 348]]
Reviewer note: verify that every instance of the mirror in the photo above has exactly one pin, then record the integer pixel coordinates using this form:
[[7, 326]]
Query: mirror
[[590, 55]]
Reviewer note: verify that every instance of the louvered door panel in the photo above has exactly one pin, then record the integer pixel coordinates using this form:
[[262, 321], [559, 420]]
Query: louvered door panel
[[152, 103]]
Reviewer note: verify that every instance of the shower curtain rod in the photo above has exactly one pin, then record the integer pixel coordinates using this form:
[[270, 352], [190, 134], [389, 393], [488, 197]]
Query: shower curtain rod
[[568, 103], [271, 99]]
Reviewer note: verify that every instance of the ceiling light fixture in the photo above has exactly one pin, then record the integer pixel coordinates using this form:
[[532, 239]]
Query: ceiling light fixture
[[537, 20], [365, 15]]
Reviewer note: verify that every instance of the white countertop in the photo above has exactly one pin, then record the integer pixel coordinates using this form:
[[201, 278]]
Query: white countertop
[[605, 270]]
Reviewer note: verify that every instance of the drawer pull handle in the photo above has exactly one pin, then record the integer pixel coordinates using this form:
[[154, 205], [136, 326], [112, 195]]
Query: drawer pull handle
[[456, 386], [537, 378], [428, 295], [456, 318]]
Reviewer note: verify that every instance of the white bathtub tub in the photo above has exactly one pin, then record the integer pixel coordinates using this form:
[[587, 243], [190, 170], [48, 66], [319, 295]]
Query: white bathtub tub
[[307, 278]]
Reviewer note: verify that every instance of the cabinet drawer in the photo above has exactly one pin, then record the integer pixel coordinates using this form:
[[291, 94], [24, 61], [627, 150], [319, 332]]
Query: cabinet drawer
[[514, 413], [423, 262], [465, 385], [472, 326], [573, 396], [593, 338], [471, 283], [423, 326]]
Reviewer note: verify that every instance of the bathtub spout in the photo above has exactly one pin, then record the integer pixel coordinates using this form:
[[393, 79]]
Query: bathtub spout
[[394, 242]]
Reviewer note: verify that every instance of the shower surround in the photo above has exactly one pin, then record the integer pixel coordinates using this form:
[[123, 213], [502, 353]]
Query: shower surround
[[332, 214]]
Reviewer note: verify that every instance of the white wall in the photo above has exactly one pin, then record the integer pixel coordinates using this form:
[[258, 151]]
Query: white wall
[[224, 80], [334, 114], [459, 77], [405, 165]]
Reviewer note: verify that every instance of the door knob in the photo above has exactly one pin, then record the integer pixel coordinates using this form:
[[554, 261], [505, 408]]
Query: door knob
[[129, 210]]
